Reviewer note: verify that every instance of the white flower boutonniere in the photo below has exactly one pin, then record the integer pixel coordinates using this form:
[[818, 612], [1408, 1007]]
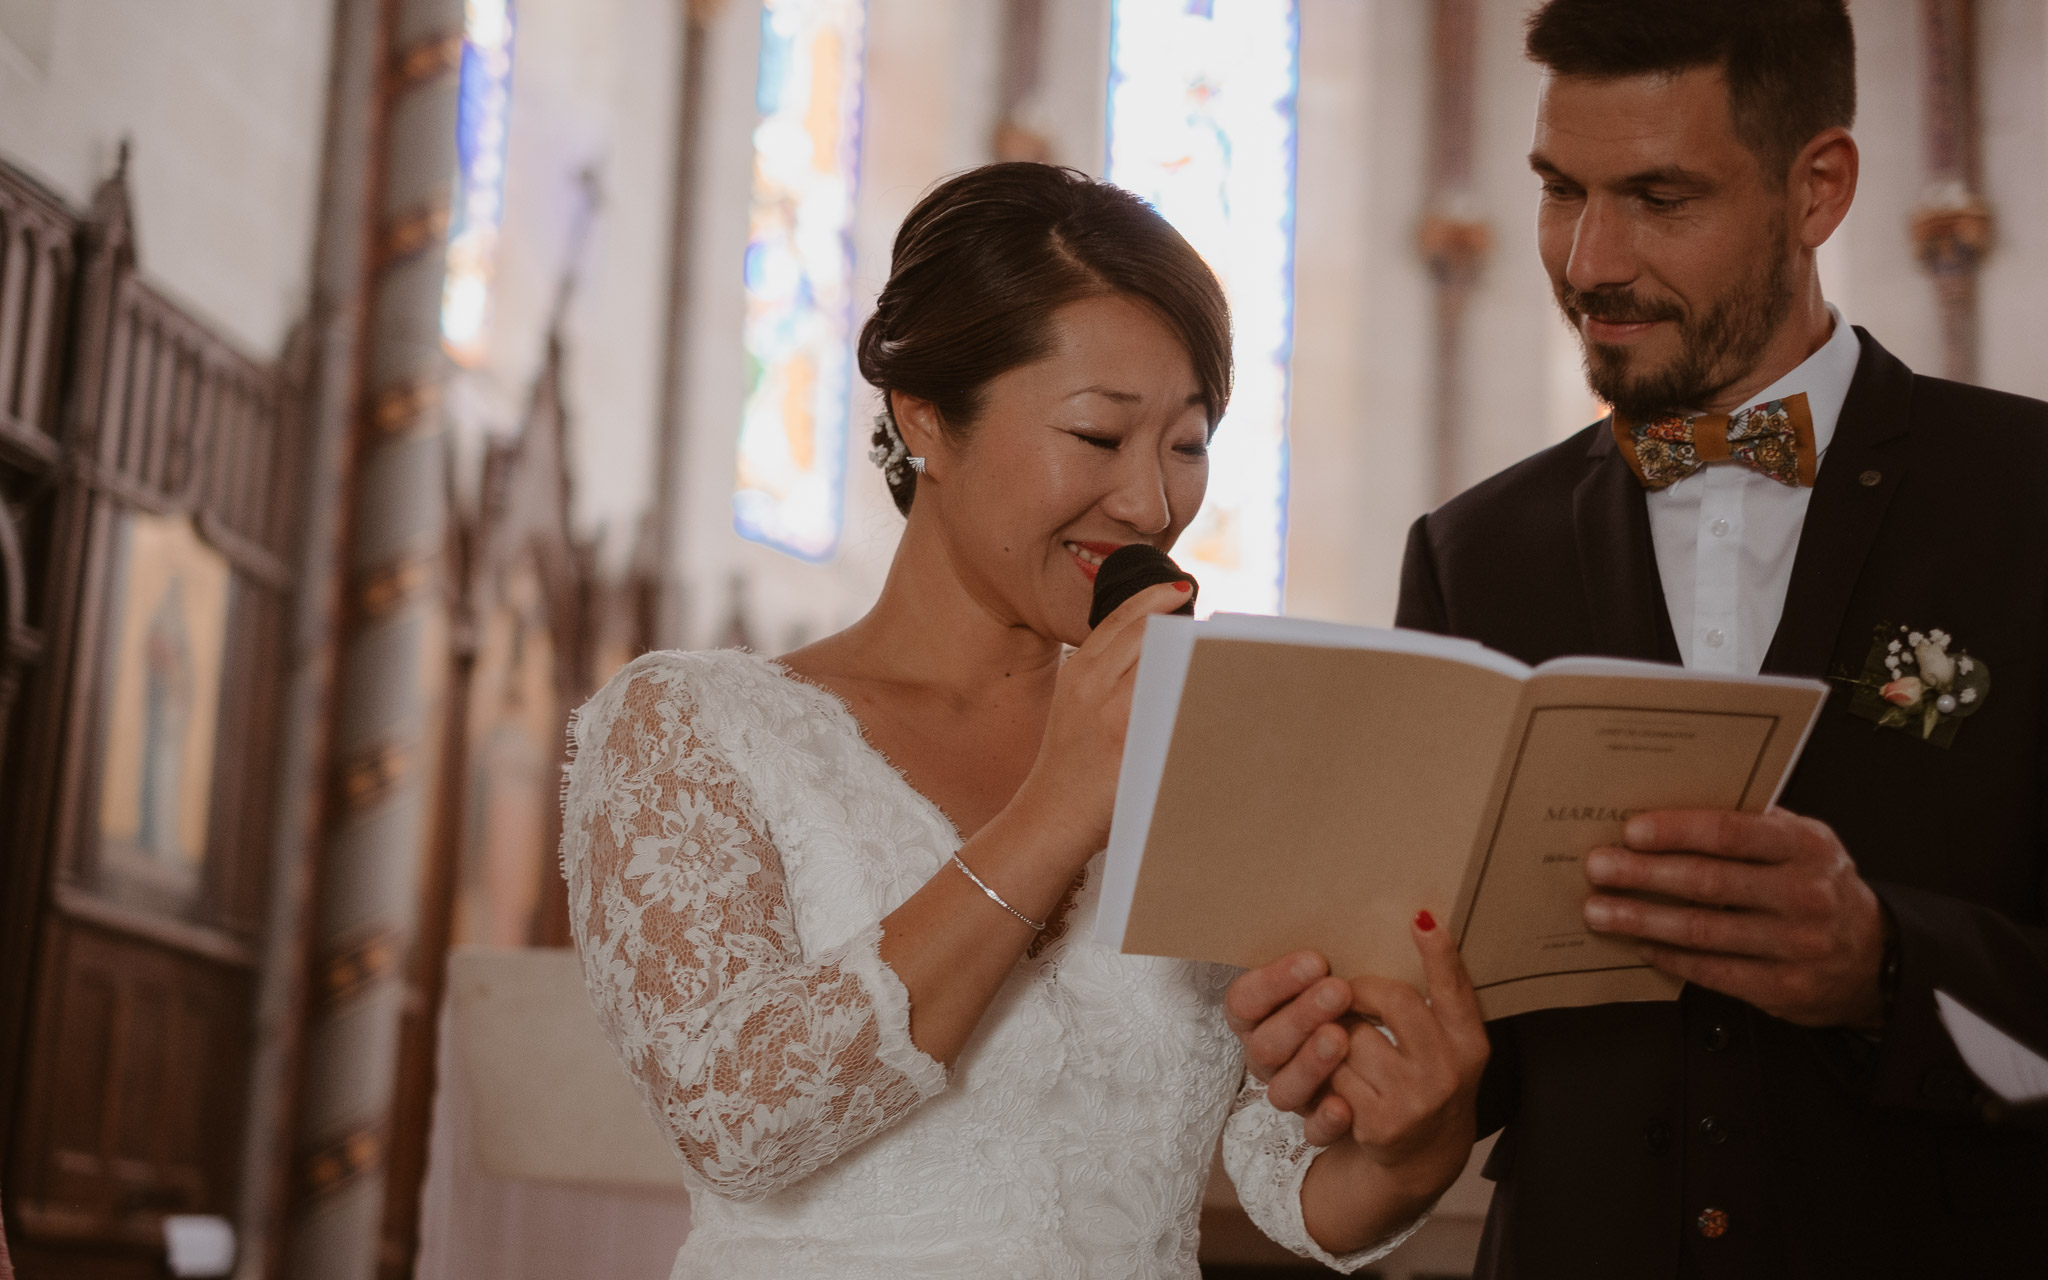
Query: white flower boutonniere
[[1917, 680]]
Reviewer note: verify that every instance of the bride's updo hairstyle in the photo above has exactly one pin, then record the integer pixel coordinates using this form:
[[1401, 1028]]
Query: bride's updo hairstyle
[[983, 262]]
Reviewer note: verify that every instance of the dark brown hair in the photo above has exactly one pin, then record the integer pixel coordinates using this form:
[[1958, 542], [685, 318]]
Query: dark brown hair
[[1790, 64], [984, 260]]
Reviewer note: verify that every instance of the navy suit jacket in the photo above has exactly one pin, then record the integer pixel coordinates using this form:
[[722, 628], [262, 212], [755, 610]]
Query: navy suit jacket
[[1828, 1154]]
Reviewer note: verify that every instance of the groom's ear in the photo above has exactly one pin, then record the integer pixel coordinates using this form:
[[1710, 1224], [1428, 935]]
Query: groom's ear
[[1822, 185], [924, 432]]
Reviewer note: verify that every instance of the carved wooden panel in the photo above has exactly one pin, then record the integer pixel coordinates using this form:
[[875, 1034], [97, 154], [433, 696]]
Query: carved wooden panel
[[142, 1089], [37, 244], [187, 424], [146, 483], [37, 238]]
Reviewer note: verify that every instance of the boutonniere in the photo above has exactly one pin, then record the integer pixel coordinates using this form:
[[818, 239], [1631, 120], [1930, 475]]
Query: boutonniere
[[1920, 682]]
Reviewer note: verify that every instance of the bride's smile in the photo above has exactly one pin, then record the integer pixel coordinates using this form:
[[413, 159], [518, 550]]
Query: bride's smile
[[1101, 441]]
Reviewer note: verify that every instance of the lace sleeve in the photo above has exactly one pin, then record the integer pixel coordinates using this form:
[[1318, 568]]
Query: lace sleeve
[[1267, 1157], [763, 1064]]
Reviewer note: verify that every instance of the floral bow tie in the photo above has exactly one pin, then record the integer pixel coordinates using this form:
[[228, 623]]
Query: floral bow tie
[[1775, 438]]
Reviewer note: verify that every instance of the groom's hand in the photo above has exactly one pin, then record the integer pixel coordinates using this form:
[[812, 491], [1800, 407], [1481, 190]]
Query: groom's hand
[[1286, 1014], [1774, 912]]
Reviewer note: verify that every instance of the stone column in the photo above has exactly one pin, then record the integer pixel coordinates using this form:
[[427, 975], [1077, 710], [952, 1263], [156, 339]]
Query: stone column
[[1454, 238], [1952, 228], [334, 332], [391, 669], [665, 628]]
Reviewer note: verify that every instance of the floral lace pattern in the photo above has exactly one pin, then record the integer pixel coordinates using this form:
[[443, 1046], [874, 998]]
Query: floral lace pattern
[[1267, 1148], [731, 844]]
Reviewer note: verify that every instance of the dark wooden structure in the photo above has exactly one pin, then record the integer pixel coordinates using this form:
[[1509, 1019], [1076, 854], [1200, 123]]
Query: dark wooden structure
[[129, 971]]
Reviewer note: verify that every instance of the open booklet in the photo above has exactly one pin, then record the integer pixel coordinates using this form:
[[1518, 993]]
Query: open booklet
[[1292, 785]]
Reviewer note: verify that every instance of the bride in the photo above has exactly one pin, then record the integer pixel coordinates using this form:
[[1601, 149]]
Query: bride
[[834, 911]]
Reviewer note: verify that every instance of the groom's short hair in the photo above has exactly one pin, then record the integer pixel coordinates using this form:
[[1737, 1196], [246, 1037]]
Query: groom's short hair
[[1790, 64]]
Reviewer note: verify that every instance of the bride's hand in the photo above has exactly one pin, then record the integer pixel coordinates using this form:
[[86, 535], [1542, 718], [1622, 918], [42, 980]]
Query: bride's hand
[[1413, 1097], [1398, 1116], [1072, 785]]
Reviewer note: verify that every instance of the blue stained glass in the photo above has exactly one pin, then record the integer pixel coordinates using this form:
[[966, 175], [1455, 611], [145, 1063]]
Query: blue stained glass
[[790, 474], [482, 115]]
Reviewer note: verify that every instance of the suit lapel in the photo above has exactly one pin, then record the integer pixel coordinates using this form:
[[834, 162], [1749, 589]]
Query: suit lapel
[[1850, 496], [1618, 561]]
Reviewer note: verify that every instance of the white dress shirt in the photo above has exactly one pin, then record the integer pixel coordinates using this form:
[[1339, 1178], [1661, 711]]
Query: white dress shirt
[[1726, 535]]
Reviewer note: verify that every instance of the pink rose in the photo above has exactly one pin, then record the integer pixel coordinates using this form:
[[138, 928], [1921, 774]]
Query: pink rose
[[1903, 693]]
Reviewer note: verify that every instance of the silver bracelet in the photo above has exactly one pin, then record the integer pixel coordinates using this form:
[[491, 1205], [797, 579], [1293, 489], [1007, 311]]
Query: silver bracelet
[[1036, 926]]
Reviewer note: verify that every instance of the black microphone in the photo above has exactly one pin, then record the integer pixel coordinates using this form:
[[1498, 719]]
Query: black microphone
[[1128, 570]]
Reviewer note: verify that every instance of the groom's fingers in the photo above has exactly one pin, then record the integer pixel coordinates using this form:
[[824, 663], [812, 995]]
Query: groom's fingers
[[1329, 1121], [1294, 1086], [1256, 993], [1291, 1045]]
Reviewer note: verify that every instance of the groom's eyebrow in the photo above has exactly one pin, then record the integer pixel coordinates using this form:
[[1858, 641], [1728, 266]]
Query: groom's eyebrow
[[1670, 175]]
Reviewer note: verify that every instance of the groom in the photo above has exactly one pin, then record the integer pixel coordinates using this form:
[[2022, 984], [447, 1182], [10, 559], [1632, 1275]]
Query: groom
[[1775, 492]]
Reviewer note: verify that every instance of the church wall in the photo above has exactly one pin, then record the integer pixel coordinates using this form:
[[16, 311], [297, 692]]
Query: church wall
[[1359, 457], [224, 105], [2013, 44], [1364, 305], [930, 111], [588, 190], [1361, 394]]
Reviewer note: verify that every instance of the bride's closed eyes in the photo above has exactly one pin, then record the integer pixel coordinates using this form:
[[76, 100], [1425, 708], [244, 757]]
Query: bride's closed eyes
[[1111, 443]]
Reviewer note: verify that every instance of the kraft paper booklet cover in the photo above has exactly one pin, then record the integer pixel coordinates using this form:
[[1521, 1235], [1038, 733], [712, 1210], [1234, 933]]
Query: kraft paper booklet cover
[[1291, 785]]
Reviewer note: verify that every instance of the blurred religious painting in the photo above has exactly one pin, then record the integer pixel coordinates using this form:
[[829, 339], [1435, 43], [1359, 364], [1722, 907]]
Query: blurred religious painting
[[170, 600]]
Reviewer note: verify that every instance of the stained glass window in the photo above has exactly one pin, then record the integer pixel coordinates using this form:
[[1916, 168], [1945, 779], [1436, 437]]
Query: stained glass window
[[481, 115], [1201, 124], [799, 269]]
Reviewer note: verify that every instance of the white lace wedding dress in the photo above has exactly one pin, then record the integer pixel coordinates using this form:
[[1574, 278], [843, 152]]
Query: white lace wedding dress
[[732, 843]]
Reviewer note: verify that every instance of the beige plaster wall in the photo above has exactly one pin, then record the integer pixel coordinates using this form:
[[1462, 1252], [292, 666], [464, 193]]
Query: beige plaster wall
[[224, 101], [588, 188]]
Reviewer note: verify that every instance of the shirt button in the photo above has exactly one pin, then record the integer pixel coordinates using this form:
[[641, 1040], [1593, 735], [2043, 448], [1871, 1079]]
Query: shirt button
[[1719, 528], [1714, 1129], [1712, 1223], [1716, 638], [1716, 1038]]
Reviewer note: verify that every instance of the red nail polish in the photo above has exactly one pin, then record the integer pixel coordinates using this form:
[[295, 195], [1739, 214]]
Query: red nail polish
[[1425, 921], [1181, 587]]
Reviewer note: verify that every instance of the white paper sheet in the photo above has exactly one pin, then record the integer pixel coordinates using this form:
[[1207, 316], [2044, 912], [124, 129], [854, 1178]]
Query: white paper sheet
[[2007, 1067]]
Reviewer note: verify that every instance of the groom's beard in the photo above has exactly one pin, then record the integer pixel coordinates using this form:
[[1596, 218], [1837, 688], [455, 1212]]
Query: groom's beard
[[1715, 349]]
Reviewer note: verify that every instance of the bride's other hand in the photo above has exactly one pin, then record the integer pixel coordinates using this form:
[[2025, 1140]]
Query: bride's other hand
[[1286, 1016], [1413, 1100], [1072, 784]]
